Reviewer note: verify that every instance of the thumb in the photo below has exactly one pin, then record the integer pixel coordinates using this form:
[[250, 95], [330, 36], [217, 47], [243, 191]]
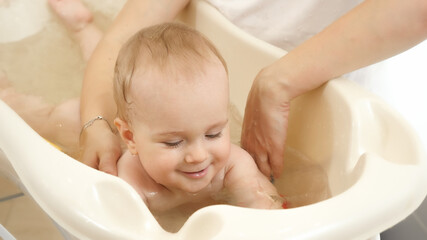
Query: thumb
[[108, 162]]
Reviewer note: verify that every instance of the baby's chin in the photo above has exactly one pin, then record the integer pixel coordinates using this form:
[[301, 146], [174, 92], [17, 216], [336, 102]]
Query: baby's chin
[[196, 189]]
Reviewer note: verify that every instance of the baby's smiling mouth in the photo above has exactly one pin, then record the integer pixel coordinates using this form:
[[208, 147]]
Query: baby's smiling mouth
[[196, 174]]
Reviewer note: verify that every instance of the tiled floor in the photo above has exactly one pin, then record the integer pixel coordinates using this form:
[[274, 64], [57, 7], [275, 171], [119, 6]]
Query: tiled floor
[[22, 217]]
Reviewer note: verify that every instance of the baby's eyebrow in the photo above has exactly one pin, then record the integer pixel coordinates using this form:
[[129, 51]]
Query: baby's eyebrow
[[171, 133], [175, 133], [219, 124]]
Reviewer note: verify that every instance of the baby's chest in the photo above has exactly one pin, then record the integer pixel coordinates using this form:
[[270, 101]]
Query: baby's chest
[[166, 201]]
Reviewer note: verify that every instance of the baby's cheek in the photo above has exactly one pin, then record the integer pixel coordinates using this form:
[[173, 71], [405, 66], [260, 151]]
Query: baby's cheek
[[160, 162]]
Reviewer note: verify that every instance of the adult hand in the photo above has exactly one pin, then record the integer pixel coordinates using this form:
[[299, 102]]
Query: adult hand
[[265, 122], [100, 148]]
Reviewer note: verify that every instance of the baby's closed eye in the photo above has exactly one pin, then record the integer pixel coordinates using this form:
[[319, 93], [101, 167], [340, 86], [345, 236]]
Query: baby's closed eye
[[215, 135], [173, 144]]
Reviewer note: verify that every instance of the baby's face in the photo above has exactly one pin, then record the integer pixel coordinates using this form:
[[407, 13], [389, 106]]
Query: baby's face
[[181, 130]]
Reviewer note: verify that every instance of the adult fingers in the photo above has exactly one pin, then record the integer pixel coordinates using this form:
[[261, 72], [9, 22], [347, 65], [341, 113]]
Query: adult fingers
[[276, 159], [108, 162], [277, 137], [277, 146], [261, 159], [252, 146], [90, 159]]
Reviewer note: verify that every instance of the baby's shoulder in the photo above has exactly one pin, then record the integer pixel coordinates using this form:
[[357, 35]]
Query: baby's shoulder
[[238, 156], [240, 163], [129, 168]]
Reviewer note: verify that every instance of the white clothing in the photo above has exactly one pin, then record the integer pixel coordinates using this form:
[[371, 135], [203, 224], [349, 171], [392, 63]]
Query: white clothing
[[284, 23]]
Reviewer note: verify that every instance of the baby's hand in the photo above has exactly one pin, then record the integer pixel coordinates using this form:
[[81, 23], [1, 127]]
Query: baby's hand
[[284, 202], [279, 202]]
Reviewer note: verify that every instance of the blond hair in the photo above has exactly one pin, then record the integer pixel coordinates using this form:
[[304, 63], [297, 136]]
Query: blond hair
[[169, 48]]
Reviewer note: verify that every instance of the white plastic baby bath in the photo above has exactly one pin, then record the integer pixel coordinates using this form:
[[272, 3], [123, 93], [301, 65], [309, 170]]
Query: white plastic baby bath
[[376, 168]]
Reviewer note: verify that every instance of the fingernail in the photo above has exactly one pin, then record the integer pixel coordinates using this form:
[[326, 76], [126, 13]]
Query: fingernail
[[272, 179]]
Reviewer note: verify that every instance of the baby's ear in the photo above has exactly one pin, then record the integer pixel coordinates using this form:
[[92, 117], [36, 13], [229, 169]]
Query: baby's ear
[[126, 134]]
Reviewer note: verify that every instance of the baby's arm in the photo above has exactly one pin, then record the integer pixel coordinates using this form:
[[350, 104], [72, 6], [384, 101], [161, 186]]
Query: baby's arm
[[247, 185]]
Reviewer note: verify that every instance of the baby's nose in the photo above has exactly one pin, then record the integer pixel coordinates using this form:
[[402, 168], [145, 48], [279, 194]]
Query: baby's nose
[[196, 153]]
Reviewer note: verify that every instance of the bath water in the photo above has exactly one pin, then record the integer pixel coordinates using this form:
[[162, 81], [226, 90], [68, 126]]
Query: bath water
[[49, 64], [46, 64]]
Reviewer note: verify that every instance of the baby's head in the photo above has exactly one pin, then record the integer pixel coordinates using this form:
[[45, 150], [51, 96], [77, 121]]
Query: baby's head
[[171, 91]]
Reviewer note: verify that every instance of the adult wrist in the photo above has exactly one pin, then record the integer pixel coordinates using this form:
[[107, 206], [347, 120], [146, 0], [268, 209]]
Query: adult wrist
[[276, 83], [96, 123], [293, 77]]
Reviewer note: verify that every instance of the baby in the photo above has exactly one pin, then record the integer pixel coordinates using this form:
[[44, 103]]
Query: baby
[[171, 91]]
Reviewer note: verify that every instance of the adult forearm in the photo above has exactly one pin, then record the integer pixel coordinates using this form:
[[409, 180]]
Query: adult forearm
[[97, 95], [371, 32]]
